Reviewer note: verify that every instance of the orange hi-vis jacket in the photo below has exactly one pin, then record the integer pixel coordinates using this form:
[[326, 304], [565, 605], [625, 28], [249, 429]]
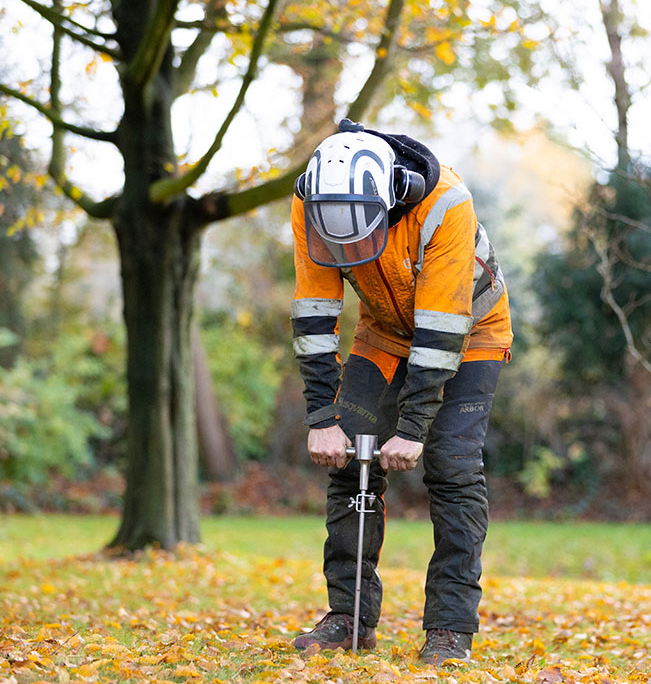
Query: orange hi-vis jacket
[[436, 296]]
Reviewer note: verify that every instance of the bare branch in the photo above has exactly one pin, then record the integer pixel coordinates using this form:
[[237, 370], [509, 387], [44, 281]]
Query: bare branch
[[625, 257], [56, 119], [383, 55], [633, 303], [153, 44], [605, 269], [168, 187], [57, 158], [612, 16], [185, 72], [59, 20], [625, 220]]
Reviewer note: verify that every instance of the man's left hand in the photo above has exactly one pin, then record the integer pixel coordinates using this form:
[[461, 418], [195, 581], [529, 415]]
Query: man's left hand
[[400, 454]]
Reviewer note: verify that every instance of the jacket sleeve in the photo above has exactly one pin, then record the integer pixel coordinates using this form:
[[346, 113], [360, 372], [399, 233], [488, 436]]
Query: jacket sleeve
[[442, 311], [318, 301]]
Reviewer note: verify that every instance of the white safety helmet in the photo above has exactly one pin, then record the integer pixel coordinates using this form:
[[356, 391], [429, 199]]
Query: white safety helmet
[[348, 189]]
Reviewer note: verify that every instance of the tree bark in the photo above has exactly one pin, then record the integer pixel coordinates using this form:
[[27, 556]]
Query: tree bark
[[160, 261], [612, 17], [216, 450]]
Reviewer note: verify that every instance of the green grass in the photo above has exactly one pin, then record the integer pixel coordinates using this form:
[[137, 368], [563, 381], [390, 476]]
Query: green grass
[[601, 551]]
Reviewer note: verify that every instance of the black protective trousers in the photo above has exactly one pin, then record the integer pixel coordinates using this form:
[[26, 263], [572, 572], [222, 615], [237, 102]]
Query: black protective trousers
[[452, 459]]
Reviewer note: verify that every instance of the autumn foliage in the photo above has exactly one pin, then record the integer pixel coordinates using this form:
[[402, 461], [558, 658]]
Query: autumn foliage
[[200, 615]]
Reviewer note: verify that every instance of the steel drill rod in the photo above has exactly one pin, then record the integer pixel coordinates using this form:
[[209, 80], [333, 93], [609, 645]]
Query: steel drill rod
[[364, 451], [358, 568]]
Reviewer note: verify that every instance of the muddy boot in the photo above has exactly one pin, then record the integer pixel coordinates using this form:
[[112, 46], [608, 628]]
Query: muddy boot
[[335, 630], [444, 644]]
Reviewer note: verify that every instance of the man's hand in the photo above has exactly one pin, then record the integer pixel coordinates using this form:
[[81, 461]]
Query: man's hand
[[400, 454], [327, 446]]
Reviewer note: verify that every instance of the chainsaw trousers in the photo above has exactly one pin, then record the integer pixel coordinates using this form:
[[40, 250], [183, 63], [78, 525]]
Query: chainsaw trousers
[[453, 475]]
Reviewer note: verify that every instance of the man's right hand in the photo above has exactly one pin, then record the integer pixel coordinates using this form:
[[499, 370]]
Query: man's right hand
[[327, 446]]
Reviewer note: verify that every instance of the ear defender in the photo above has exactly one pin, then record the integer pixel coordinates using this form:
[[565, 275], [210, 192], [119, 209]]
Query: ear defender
[[299, 187], [409, 186]]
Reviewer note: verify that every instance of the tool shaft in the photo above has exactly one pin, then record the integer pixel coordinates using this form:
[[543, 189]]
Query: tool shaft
[[364, 451], [358, 577]]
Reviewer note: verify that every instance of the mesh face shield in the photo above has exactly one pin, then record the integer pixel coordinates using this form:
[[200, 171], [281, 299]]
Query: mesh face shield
[[345, 229]]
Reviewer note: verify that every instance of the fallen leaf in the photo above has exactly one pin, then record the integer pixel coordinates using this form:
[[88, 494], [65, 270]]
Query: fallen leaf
[[550, 675]]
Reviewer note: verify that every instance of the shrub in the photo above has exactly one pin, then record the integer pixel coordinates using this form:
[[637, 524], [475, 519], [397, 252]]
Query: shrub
[[42, 428]]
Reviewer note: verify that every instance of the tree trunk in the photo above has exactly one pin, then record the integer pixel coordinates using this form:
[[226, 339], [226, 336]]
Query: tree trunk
[[216, 448], [612, 18], [159, 269]]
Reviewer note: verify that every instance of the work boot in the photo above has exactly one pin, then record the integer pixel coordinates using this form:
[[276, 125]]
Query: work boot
[[444, 644], [335, 630]]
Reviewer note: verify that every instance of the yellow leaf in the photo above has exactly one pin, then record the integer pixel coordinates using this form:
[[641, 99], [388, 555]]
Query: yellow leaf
[[48, 588], [421, 110], [76, 194], [244, 318], [186, 671], [445, 53], [538, 647], [114, 649]]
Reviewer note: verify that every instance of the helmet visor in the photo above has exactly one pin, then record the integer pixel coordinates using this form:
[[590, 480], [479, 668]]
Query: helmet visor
[[345, 230]]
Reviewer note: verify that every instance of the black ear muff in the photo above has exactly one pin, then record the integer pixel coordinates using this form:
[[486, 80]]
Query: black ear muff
[[409, 186], [299, 187]]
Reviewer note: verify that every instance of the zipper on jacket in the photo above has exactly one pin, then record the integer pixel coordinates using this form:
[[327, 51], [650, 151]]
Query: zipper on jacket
[[394, 301]]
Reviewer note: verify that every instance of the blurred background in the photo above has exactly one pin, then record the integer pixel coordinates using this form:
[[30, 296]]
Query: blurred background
[[543, 109]]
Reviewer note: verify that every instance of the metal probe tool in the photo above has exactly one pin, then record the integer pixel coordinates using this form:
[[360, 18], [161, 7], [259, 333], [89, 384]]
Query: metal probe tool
[[364, 451]]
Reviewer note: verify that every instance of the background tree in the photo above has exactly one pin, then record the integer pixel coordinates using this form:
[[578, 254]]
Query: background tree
[[595, 293], [159, 211]]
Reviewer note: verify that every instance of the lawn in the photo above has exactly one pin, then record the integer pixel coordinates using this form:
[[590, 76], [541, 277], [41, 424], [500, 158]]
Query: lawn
[[562, 602]]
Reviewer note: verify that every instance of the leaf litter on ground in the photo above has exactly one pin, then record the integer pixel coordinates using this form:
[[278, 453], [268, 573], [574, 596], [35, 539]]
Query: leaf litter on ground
[[199, 615]]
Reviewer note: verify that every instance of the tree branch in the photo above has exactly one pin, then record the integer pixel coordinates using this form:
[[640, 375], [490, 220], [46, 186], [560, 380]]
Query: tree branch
[[612, 16], [216, 206], [288, 27], [383, 55], [56, 119], [626, 220], [166, 188], [605, 270], [99, 210], [59, 20], [153, 44], [57, 158], [187, 68]]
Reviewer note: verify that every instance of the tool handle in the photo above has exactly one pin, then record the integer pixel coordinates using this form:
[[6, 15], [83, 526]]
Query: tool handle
[[351, 451]]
